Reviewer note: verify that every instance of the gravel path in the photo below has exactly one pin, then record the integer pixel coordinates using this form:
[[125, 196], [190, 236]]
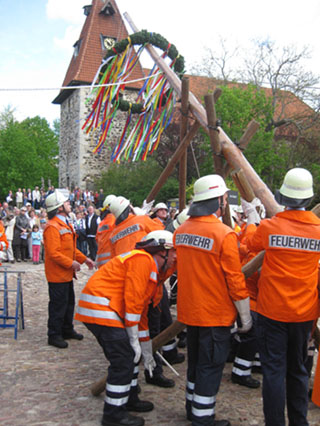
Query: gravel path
[[43, 385]]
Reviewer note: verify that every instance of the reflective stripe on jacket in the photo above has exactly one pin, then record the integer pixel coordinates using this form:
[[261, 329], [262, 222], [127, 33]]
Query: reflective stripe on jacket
[[209, 272], [119, 293], [289, 275], [60, 251]]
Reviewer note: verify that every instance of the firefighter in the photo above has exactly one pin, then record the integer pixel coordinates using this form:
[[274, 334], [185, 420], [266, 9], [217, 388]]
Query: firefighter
[[113, 306], [62, 261], [105, 228], [160, 214], [4, 245], [129, 228], [287, 302], [246, 351], [211, 291]]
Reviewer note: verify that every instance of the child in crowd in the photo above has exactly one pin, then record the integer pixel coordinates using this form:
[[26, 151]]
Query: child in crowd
[[36, 244]]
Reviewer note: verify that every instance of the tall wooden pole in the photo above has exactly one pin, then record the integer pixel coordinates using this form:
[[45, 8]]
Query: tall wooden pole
[[183, 132], [173, 161], [231, 153]]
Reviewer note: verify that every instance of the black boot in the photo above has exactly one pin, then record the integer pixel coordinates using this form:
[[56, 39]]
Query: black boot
[[177, 358], [159, 380], [247, 381], [57, 341], [128, 420], [139, 406], [73, 335]]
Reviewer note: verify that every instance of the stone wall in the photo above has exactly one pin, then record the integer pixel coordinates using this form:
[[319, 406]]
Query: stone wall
[[78, 165]]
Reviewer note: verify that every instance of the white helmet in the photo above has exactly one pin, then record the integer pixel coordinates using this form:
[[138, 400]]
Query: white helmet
[[156, 241], [107, 201], [55, 200], [298, 184], [207, 187], [160, 206], [182, 217], [118, 206]]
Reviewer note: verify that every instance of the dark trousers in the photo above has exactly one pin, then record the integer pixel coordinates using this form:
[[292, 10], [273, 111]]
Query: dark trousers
[[154, 315], [283, 349], [82, 246], [246, 350], [208, 349], [93, 247], [20, 249], [121, 385], [61, 308]]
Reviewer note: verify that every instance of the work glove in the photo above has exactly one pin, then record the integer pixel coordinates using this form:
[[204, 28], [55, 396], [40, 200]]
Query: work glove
[[249, 210], [133, 334], [259, 207], [243, 308], [147, 355], [146, 207]]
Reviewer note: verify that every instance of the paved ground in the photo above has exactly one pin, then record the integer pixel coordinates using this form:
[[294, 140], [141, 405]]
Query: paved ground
[[43, 385]]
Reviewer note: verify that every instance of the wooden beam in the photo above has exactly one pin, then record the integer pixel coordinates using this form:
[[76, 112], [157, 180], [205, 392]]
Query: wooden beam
[[213, 133], [183, 132], [173, 161]]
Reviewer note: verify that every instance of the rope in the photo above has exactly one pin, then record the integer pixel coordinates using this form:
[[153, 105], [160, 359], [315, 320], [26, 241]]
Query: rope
[[33, 89]]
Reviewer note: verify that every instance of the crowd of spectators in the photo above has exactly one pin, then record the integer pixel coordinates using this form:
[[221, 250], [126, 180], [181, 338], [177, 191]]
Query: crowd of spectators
[[24, 217]]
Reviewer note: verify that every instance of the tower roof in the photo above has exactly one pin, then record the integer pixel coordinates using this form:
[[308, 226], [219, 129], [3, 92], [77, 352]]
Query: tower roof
[[103, 24]]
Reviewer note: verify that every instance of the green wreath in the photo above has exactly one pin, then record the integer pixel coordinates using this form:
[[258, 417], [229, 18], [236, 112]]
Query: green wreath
[[141, 38]]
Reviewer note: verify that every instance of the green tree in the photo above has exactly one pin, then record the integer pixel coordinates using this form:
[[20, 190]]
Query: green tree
[[28, 151], [135, 180], [235, 108]]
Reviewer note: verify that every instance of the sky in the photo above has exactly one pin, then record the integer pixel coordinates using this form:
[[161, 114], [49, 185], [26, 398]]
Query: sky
[[37, 38]]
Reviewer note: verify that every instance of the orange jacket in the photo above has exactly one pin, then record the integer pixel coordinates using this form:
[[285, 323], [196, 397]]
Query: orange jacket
[[3, 237], [125, 235], [105, 228], [209, 272], [159, 222], [60, 251], [289, 275], [119, 293], [245, 257]]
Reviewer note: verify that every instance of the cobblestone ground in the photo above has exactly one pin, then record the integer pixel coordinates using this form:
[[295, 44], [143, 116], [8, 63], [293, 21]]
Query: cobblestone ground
[[43, 385]]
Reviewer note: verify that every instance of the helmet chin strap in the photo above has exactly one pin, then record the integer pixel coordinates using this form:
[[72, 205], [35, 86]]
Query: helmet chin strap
[[165, 260], [222, 205]]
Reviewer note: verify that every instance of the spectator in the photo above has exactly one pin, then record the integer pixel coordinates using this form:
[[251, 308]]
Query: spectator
[[29, 196], [9, 198], [80, 228], [92, 222], [4, 210], [36, 198], [19, 198], [100, 199], [36, 244], [20, 236]]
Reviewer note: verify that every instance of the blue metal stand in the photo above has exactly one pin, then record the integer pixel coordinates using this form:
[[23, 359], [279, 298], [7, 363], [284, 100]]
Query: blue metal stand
[[4, 310]]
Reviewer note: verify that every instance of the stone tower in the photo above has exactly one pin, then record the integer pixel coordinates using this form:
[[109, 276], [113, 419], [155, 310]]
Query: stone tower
[[78, 166]]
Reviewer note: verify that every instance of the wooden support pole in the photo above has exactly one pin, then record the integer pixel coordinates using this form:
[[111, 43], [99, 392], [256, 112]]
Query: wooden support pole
[[213, 133], [173, 161], [243, 185], [250, 131], [183, 132]]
